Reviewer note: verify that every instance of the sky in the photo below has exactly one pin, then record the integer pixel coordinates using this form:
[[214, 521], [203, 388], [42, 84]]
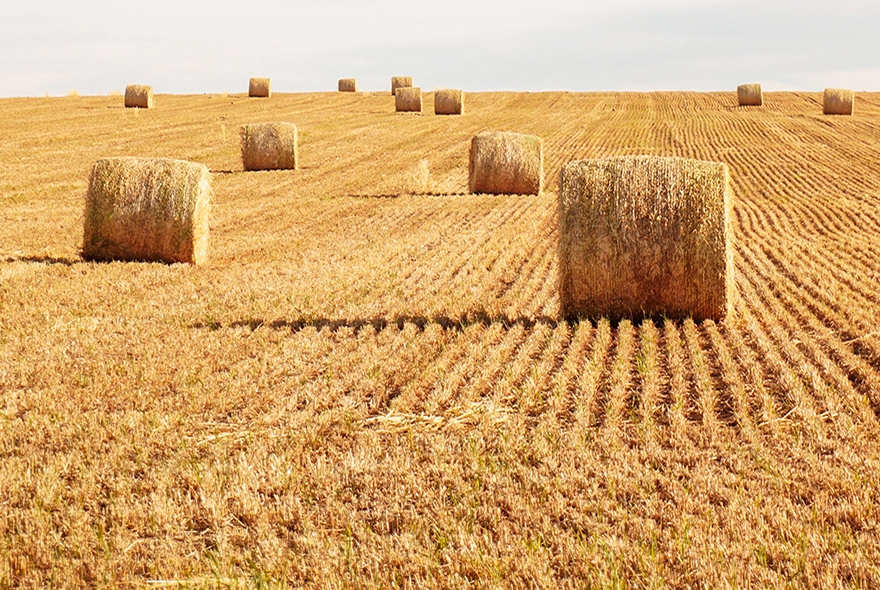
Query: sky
[[184, 46]]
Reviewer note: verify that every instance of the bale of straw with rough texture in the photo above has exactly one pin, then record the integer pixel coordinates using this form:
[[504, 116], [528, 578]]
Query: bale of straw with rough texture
[[400, 82], [269, 146], [138, 96], [449, 102], [749, 95], [260, 88], [348, 85], [645, 236], [506, 163], [408, 100], [838, 101], [147, 209]]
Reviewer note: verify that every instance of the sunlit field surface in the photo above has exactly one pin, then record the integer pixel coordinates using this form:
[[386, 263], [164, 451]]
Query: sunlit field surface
[[369, 388]]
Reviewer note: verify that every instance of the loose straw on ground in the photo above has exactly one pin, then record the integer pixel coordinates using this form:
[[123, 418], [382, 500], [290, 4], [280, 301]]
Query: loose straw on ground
[[269, 146], [506, 163]]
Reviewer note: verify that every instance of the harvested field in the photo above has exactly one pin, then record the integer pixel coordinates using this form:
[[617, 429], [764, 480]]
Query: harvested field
[[366, 389]]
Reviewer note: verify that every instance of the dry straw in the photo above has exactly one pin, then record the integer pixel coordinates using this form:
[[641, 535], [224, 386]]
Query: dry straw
[[838, 101], [506, 163], [138, 96], [348, 85], [147, 209], [260, 88], [400, 82], [749, 95], [449, 102], [408, 100], [269, 146], [645, 236]]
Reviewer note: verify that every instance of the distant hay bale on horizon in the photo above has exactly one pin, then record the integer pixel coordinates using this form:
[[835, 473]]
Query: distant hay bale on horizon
[[449, 102], [750, 95], [506, 163], [260, 88], [269, 146], [645, 236], [408, 100], [348, 85], [838, 101], [147, 209], [138, 96], [400, 82]]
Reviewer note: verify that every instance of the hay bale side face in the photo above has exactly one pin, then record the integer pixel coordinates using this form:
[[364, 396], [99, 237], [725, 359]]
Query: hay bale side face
[[147, 209], [645, 237], [400, 82], [449, 102], [749, 95], [838, 101], [269, 146], [260, 88], [348, 85], [506, 163], [138, 96], [408, 100]]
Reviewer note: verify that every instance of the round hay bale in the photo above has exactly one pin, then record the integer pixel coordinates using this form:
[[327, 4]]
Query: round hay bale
[[138, 96], [408, 100], [749, 95], [645, 236], [147, 209], [506, 163], [449, 102], [269, 146], [348, 85], [838, 101], [400, 82], [260, 88]]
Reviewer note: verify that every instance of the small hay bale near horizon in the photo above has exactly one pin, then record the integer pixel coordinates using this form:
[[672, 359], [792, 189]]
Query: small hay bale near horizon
[[400, 82], [260, 88], [506, 163], [449, 102], [838, 101], [147, 209], [269, 146], [348, 85], [138, 96], [645, 236], [749, 95], [408, 100]]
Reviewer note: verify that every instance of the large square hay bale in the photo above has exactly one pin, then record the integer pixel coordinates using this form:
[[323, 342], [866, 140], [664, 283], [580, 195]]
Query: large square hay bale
[[400, 82], [749, 95], [147, 209], [408, 100], [269, 146], [838, 101], [260, 88], [138, 96], [348, 85], [506, 163], [449, 102], [645, 236]]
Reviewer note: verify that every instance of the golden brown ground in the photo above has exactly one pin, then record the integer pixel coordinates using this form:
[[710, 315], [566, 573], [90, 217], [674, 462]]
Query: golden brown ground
[[371, 390]]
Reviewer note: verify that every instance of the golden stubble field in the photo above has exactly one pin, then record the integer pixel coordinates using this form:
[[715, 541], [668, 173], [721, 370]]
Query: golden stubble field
[[368, 388]]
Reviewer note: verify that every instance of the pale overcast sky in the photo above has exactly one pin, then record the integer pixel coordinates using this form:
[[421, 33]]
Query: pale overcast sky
[[182, 46]]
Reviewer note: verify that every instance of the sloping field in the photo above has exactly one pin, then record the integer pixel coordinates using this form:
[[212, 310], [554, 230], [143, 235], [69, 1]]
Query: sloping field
[[364, 388]]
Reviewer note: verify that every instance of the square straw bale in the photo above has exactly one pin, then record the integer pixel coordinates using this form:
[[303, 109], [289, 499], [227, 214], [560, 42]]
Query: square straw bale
[[408, 100], [838, 101], [147, 209], [645, 236], [138, 96], [400, 82], [260, 88], [749, 95], [269, 146], [348, 85], [449, 102], [506, 163]]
